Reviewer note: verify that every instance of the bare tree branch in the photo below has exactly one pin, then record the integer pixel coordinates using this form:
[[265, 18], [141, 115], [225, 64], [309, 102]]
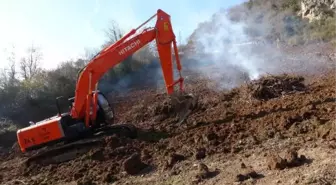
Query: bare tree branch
[[12, 62], [113, 33], [30, 65]]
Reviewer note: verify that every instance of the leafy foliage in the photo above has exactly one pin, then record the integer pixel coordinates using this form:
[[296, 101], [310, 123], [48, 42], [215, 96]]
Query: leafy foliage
[[28, 92]]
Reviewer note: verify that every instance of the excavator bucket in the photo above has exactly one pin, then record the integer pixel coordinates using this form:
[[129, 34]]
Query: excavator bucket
[[184, 104]]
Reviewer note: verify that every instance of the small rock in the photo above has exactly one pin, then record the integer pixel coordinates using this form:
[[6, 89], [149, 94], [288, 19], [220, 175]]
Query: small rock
[[248, 173], [203, 171], [292, 158], [174, 158], [241, 177], [242, 165], [200, 153], [274, 161], [303, 158], [133, 164]]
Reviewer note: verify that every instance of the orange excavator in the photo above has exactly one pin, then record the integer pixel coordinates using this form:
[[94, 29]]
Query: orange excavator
[[90, 113]]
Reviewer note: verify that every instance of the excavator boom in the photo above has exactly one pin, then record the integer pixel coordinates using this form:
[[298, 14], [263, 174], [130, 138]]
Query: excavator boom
[[164, 36], [90, 112]]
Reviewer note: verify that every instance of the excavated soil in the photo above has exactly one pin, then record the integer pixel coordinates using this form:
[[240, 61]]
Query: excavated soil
[[262, 132]]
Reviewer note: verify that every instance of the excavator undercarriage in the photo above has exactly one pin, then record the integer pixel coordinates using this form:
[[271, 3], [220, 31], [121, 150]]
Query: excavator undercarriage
[[81, 140], [68, 150]]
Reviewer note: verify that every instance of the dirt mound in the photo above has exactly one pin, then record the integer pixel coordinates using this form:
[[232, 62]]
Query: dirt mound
[[114, 156], [269, 87], [225, 124]]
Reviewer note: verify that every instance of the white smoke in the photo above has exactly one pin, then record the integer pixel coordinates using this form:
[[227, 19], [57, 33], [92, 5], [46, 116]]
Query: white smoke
[[227, 47], [226, 54]]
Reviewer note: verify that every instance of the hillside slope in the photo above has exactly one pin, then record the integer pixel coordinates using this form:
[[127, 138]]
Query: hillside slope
[[252, 123], [292, 22], [247, 124]]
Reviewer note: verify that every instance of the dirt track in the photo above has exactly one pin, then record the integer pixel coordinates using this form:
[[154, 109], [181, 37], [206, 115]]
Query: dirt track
[[236, 134]]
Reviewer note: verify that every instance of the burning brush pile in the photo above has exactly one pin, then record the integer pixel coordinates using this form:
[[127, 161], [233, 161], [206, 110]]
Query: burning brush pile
[[269, 87]]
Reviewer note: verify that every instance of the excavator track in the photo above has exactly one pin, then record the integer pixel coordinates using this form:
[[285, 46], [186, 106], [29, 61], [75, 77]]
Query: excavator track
[[73, 150]]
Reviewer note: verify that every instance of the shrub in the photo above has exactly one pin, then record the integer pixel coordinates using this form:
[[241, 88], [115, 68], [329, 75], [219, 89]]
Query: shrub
[[293, 5], [323, 29]]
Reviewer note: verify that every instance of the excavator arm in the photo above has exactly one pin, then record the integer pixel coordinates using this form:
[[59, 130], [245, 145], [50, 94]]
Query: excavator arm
[[90, 109], [112, 55]]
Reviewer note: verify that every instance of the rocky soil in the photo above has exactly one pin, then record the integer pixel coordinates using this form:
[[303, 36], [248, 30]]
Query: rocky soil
[[274, 130], [316, 9]]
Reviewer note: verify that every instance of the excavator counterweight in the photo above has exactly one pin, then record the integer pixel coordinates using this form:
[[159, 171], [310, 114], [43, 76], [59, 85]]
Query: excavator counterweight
[[90, 114]]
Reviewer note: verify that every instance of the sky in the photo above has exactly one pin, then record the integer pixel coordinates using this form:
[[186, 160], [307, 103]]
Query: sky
[[63, 29]]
